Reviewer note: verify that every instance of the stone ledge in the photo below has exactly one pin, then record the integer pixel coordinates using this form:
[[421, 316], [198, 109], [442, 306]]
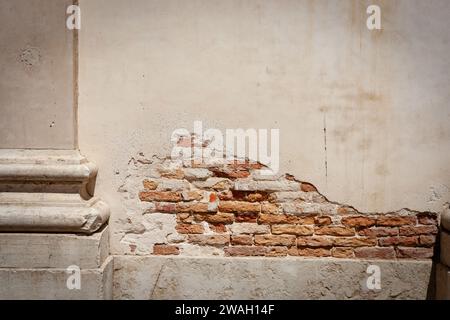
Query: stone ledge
[[154, 277], [53, 250], [32, 284]]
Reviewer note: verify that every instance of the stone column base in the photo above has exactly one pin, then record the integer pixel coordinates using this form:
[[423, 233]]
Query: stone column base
[[35, 266]]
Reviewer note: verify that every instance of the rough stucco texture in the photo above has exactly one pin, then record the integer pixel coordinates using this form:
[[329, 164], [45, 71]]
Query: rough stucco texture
[[179, 207]]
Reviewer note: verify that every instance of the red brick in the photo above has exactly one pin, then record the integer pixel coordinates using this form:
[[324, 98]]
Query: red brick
[[239, 207], [185, 217], [150, 185], [355, 242], [335, 231], [245, 240], [396, 221], [427, 241], [414, 253], [209, 240], [398, 241], [189, 228], [276, 252], [270, 208], [342, 252], [284, 219], [197, 207], [307, 187], [274, 240], [418, 230], [427, 218], [314, 252], [344, 210], [322, 220], [358, 221], [172, 174], [251, 196], [219, 218], [378, 232], [218, 228], [314, 242], [225, 195], [299, 230], [164, 249], [166, 196], [165, 207], [375, 253], [246, 217], [244, 251], [191, 195]]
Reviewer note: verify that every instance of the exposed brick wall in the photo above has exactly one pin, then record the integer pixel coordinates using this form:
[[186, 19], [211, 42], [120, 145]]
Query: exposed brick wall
[[238, 212]]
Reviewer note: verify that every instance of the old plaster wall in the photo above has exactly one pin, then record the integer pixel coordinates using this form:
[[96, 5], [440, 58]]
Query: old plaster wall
[[37, 75], [362, 114]]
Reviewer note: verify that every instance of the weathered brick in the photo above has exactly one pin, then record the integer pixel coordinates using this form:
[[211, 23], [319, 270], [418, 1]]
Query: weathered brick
[[414, 253], [225, 195], [314, 241], [284, 219], [358, 221], [165, 207], [249, 228], [166, 196], [217, 227], [378, 232], [244, 240], [427, 240], [375, 253], [185, 217], [418, 230], [275, 240], [189, 228], [164, 249], [150, 184], [239, 206], [196, 207], [345, 210], [398, 241], [396, 221], [427, 218], [314, 252], [245, 251], [230, 172], [246, 217], [209, 240], [218, 218], [172, 185], [251, 196], [335, 231], [270, 208], [276, 252], [192, 195], [355, 242], [300, 208], [218, 184], [342, 252], [299, 230], [197, 174], [171, 173], [322, 220], [245, 185], [307, 187]]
